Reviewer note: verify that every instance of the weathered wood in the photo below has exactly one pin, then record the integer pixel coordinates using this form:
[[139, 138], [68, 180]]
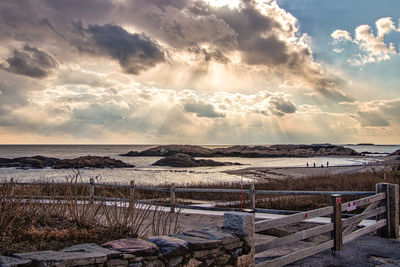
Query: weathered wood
[[336, 219], [12, 185], [252, 197], [131, 192], [365, 215], [91, 190], [353, 226], [383, 188], [295, 256], [277, 242], [363, 231], [298, 217], [313, 193], [394, 210], [150, 188], [365, 201], [173, 200], [211, 190]]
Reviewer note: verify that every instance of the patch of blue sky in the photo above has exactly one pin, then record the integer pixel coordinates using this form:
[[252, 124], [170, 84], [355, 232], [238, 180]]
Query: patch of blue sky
[[319, 18]]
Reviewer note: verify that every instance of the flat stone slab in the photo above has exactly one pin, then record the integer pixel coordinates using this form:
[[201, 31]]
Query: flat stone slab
[[13, 262], [63, 258], [197, 241], [170, 246], [215, 234], [138, 247], [93, 248]]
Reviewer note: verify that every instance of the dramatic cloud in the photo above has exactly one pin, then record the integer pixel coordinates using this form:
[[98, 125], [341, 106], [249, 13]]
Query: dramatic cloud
[[281, 106], [373, 46], [155, 71], [134, 52], [30, 62], [202, 110]]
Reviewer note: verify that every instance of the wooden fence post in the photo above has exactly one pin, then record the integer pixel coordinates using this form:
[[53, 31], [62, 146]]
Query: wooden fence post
[[172, 193], [391, 230], [252, 197], [384, 188], [12, 186], [131, 192], [394, 210], [336, 219], [91, 191]]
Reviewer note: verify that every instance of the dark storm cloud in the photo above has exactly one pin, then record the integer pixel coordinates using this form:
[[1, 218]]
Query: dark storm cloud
[[175, 23], [30, 62], [202, 109], [280, 106], [134, 52], [209, 55]]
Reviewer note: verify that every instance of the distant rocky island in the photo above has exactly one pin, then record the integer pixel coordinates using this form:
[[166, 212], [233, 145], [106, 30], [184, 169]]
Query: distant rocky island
[[40, 162], [247, 151], [184, 160]]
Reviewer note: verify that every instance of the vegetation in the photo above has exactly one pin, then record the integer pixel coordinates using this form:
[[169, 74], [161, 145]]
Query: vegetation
[[30, 223], [52, 216]]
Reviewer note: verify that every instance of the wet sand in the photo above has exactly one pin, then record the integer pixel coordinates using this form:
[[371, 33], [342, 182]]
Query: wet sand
[[281, 173]]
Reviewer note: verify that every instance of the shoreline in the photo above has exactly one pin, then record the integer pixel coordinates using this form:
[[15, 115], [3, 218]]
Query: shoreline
[[282, 173]]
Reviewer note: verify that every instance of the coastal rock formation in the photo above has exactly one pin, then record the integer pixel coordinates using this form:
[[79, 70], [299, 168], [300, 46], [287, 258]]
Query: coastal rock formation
[[39, 162], [36, 162], [184, 160], [396, 153], [169, 150], [91, 162], [249, 151]]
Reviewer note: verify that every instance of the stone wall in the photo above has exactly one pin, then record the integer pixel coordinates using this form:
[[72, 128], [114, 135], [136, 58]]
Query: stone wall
[[231, 245]]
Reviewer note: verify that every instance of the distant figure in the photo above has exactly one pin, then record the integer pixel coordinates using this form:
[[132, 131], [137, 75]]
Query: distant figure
[[314, 164], [327, 164], [307, 164], [322, 165]]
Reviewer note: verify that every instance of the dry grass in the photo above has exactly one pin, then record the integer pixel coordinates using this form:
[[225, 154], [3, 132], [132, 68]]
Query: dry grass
[[29, 223]]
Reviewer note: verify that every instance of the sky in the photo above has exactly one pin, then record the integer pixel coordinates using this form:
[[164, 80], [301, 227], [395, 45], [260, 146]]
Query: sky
[[199, 71]]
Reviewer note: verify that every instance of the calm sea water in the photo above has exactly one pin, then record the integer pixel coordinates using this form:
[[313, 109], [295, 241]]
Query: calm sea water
[[144, 173]]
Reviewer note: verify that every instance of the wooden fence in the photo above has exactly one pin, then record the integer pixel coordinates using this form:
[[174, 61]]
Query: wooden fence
[[384, 205], [173, 190]]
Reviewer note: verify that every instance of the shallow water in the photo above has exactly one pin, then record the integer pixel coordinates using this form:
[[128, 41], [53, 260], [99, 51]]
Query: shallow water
[[144, 173]]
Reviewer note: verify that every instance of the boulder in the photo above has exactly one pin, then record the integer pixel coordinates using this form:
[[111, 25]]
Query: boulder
[[184, 160], [396, 153]]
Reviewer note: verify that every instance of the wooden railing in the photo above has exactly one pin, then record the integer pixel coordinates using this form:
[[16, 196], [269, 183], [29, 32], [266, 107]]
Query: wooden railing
[[384, 205]]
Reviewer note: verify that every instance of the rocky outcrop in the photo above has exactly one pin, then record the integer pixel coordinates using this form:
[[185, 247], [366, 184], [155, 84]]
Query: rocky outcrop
[[39, 162], [91, 162], [249, 151], [169, 150], [396, 153], [184, 160]]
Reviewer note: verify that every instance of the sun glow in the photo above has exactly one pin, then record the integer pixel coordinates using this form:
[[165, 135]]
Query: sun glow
[[229, 3]]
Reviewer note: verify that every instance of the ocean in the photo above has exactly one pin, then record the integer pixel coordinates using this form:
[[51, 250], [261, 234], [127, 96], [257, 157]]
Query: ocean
[[144, 173]]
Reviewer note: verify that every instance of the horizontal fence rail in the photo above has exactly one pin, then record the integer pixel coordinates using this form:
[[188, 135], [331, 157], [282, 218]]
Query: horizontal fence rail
[[383, 206]]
